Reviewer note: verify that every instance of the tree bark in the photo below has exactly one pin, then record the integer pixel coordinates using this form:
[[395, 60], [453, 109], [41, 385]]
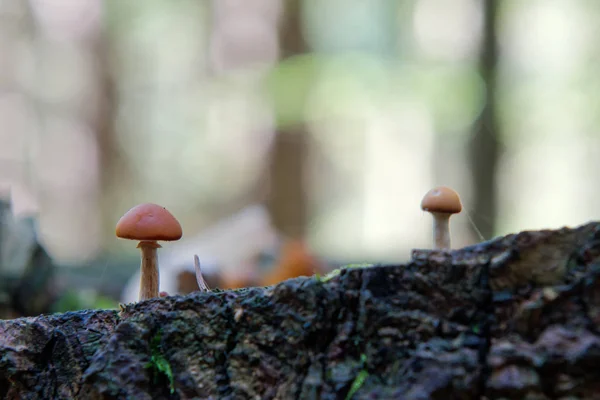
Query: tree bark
[[517, 317]]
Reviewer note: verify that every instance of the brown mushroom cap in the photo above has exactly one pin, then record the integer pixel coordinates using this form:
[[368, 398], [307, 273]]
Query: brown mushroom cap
[[148, 222], [441, 200]]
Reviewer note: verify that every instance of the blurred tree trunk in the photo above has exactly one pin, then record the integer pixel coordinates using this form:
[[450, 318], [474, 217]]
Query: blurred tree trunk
[[287, 193], [484, 149], [115, 171]]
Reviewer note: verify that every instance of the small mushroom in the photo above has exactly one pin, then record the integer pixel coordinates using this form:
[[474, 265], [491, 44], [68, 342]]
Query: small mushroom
[[441, 202], [148, 223]]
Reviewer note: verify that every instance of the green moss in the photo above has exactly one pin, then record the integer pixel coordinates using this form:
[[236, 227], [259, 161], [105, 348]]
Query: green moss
[[337, 271], [358, 265], [360, 379], [158, 363]]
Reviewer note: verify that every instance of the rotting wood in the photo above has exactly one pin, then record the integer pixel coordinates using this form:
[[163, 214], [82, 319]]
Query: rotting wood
[[516, 317]]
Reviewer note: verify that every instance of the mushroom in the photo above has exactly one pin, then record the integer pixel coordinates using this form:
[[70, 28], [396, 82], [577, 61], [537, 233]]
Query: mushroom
[[148, 223], [441, 202]]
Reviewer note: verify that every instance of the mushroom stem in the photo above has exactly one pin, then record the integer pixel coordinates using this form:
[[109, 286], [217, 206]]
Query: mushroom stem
[[441, 230], [149, 270]]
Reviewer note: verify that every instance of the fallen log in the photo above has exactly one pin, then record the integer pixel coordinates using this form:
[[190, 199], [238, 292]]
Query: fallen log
[[516, 317]]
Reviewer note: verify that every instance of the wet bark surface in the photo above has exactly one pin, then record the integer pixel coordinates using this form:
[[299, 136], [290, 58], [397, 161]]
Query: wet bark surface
[[516, 317]]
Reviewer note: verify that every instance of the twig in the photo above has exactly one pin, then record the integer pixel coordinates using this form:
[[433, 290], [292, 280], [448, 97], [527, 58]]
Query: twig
[[201, 283]]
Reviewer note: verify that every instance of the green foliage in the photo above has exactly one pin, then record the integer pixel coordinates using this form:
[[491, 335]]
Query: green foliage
[[436, 85], [158, 363], [289, 85], [73, 300], [342, 85]]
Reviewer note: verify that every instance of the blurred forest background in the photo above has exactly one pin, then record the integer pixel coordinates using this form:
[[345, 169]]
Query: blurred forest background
[[338, 115]]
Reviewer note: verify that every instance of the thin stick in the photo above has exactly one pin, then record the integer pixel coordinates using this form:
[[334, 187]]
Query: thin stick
[[199, 278]]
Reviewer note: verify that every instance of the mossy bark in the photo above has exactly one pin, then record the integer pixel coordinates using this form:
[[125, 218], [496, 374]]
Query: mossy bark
[[517, 317]]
